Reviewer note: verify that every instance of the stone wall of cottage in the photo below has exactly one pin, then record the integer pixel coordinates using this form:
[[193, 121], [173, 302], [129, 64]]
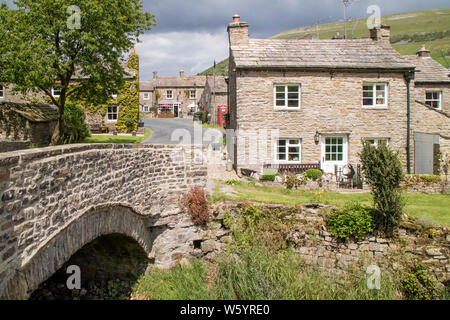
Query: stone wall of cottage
[[329, 104], [179, 95], [55, 200], [420, 90]]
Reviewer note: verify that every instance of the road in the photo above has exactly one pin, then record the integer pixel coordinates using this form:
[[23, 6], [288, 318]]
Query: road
[[178, 131]]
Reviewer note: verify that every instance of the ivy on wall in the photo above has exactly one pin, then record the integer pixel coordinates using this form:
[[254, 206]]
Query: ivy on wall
[[128, 100]]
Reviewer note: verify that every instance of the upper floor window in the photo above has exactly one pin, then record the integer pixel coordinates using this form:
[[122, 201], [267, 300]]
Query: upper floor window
[[113, 113], [146, 108], [375, 95], [2, 91], [433, 99], [114, 96], [146, 96], [288, 150], [287, 96], [378, 141], [56, 92], [169, 94], [192, 94]]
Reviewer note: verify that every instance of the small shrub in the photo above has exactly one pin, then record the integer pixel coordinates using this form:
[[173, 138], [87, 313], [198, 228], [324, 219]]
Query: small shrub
[[418, 284], [269, 175], [232, 182], [75, 121], [313, 174], [291, 181], [383, 172], [196, 202], [353, 221]]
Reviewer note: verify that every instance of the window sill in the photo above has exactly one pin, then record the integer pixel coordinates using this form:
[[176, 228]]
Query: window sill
[[286, 109], [376, 107]]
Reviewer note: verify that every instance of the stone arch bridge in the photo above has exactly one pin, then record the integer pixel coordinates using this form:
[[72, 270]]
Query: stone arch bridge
[[55, 200]]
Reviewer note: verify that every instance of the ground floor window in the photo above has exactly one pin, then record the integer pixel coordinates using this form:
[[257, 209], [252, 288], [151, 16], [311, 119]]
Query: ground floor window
[[378, 141], [113, 113], [288, 150], [334, 149], [145, 108], [2, 92]]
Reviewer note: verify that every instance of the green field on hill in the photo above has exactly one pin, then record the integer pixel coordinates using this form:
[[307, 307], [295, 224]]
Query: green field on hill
[[409, 31]]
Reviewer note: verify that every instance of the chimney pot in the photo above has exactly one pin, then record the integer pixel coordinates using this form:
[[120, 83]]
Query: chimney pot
[[155, 74], [133, 51], [238, 32], [423, 52], [181, 73], [236, 18]]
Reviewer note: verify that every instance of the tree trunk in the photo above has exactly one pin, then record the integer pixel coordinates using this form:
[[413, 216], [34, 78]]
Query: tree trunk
[[59, 129]]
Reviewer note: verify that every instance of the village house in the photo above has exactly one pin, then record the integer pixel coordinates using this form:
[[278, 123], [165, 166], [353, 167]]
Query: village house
[[172, 96], [214, 99], [313, 101]]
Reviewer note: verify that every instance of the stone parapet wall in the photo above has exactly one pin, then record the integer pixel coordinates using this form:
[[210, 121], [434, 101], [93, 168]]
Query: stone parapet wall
[[44, 191]]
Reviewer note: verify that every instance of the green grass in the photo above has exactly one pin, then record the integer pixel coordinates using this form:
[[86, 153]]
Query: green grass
[[210, 126], [435, 46], [419, 206], [117, 139]]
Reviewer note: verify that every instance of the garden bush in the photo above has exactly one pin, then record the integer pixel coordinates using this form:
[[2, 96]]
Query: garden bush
[[353, 221], [418, 284], [269, 175], [75, 121], [383, 172], [291, 181], [313, 174], [196, 202]]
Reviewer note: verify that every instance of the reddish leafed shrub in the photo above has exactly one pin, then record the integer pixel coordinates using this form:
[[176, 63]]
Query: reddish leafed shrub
[[196, 203]]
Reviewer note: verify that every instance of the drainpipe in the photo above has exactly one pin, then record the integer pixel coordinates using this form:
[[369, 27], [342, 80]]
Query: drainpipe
[[408, 77]]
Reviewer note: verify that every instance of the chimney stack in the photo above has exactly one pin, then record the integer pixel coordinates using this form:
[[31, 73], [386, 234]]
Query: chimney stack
[[382, 34], [133, 51], [423, 52], [181, 73], [155, 75], [238, 32]]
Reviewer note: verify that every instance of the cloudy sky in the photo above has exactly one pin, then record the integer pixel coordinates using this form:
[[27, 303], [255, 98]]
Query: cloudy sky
[[191, 34]]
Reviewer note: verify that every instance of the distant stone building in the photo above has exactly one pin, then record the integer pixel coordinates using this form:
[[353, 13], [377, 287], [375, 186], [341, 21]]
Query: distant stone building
[[146, 97], [296, 102], [174, 96], [214, 95], [25, 124]]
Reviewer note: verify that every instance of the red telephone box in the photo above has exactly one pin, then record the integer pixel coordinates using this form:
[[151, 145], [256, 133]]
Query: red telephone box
[[221, 112]]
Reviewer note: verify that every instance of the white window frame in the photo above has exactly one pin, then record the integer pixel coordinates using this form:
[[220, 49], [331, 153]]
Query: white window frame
[[146, 108], [112, 113], [377, 141], [439, 100], [146, 96], [114, 96], [55, 95], [328, 165], [286, 96], [171, 94], [2, 91], [195, 94], [374, 90], [288, 144]]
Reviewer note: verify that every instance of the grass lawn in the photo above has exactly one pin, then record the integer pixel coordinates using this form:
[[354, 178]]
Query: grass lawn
[[432, 207], [210, 126], [117, 139]]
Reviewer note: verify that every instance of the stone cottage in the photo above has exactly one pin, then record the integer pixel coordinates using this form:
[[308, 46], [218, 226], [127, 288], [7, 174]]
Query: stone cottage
[[214, 95], [146, 97], [172, 96], [430, 112], [313, 101], [25, 124]]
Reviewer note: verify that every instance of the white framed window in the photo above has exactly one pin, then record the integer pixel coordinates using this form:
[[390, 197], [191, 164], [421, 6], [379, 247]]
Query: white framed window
[[169, 94], [56, 92], [2, 91], [146, 108], [378, 141], [192, 94], [114, 96], [434, 99], [287, 96], [146, 96], [375, 95], [113, 114], [288, 150]]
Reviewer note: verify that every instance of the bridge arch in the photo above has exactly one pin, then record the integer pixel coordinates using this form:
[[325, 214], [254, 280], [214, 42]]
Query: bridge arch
[[94, 223]]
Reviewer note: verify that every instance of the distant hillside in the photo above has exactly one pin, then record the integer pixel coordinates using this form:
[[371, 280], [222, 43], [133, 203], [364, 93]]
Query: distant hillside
[[221, 69], [409, 31]]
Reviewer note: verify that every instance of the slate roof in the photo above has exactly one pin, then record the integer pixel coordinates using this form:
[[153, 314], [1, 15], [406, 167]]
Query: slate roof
[[333, 54], [428, 70], [221, 85], [128, 73], [184, 82], [146, 86], [32, 111]]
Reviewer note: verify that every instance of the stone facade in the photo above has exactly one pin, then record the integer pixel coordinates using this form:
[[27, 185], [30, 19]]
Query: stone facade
[[331, 98], [214, 95], [57, 199]]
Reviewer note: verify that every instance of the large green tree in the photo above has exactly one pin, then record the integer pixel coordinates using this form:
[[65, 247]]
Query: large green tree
[[44, 43]]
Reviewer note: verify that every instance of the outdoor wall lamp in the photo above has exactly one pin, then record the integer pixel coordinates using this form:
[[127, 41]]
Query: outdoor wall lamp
[[317, 137]]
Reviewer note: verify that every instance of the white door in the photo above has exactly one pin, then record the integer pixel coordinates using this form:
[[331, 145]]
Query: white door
[[334, 152]]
